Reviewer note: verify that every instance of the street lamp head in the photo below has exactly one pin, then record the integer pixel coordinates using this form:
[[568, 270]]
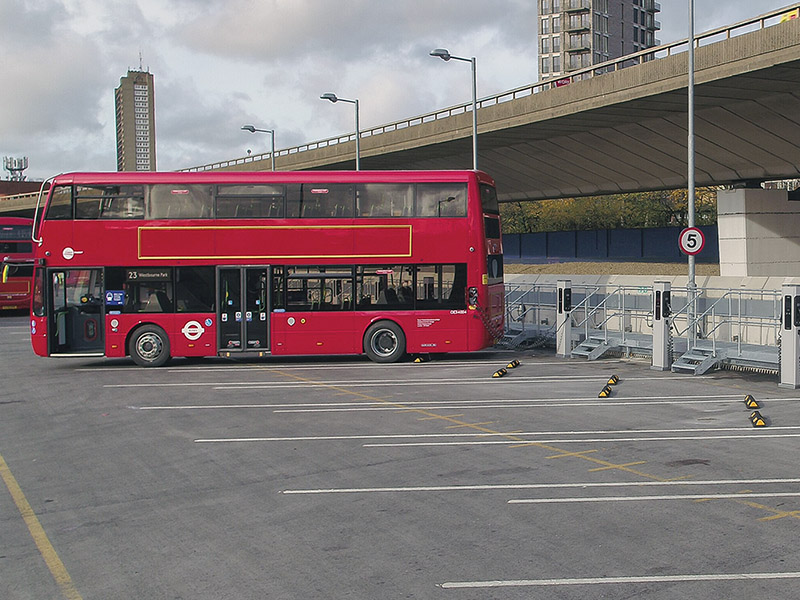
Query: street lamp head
[[249, 128], [441, 53], [329, 96]]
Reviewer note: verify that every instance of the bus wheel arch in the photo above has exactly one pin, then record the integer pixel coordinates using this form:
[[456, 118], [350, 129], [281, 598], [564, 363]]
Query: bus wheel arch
[[384, 342], [148, 345]]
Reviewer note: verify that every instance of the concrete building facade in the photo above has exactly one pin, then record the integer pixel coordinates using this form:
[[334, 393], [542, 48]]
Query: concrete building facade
[[576, 34], [134, 101]]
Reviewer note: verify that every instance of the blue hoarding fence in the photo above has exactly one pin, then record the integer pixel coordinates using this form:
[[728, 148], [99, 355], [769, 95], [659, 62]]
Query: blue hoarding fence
[[657, 244]]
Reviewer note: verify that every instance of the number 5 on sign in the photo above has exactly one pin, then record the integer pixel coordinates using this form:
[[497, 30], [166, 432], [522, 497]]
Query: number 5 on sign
[[691, 241]]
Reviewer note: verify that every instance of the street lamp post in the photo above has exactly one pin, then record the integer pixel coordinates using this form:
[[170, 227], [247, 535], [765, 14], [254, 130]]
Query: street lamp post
[[445, 56], [333, 98], [691, 284], [271, 132], [690, 145]]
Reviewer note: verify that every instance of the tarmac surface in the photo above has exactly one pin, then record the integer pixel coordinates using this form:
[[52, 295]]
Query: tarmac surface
[[338, 478]]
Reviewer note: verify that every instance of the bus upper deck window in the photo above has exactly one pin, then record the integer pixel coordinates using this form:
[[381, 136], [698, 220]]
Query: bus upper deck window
[[60, 205]]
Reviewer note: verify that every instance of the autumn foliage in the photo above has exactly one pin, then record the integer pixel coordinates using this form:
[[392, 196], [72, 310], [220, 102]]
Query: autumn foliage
[[646, 209]]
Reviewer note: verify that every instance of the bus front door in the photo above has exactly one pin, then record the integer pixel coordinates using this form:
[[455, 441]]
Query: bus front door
[[76, 318], [243, 309]]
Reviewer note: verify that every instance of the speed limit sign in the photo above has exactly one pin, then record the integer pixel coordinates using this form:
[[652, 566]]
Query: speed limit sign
[[691, 241]]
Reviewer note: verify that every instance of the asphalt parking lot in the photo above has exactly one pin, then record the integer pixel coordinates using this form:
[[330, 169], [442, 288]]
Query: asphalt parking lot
[[338, 478]]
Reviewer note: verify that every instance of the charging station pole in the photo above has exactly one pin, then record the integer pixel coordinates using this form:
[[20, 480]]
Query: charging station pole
[[564, 318], [662, 355], [790, 337]]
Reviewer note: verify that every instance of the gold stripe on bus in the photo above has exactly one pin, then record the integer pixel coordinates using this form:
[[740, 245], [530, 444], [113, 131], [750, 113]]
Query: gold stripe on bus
[[406, 254]]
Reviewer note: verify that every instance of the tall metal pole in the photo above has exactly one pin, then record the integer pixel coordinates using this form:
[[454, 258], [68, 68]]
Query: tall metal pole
[[272, 153], [271, 132], [691, 174], [445, 55], [691, 283], [358, 140], [334, 98], [474, 114]]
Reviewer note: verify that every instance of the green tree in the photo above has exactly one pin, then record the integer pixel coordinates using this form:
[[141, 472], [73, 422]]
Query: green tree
[[645, 209]]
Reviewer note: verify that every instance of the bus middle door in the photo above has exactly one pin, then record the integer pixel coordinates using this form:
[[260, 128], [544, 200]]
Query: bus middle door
[[243, 309]]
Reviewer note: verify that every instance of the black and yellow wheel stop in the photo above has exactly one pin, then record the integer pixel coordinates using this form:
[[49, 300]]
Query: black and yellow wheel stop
[[757, 420], [605, 392], [613, 380], [422, 358], [751, 402], [499, 373], [513, 364]]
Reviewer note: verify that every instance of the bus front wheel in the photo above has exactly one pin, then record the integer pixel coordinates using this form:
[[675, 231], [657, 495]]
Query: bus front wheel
[[149, 346], [384, 342]]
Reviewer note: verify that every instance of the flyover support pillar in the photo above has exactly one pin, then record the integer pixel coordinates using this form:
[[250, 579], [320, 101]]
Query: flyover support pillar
[[759, 233]]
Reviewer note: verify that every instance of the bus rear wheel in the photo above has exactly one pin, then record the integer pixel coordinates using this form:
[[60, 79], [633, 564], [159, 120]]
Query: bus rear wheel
[[384, 342], [149, 346]]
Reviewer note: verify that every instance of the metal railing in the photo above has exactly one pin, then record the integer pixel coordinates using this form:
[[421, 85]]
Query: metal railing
[[728, 315], [735, 317], [754, 24]]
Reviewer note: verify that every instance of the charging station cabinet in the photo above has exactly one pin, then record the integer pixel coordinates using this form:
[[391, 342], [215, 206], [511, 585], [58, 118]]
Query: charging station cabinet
[[662, 340], [564, 318], [790, 337]]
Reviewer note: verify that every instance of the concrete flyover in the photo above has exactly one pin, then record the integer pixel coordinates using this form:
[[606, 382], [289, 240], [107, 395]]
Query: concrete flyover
[[622, 131]]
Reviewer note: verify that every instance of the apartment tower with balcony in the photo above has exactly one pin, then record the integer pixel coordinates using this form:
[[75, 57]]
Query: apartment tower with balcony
[[136, 122], [575, 34]]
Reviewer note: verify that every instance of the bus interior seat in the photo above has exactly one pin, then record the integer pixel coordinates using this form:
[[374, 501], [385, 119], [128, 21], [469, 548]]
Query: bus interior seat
[[405, 295], [387, 296]]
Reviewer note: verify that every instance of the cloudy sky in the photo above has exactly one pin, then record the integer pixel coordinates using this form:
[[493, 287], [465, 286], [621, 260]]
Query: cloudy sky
[[219, 64]]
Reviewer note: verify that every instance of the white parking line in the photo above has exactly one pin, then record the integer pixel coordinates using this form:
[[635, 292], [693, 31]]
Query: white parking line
[[430, 404], [656, 498], [377, 436], [543, 403], [538, 486], [238, 385], [607, 440], [474, 434], [199, 368], [621, 580]]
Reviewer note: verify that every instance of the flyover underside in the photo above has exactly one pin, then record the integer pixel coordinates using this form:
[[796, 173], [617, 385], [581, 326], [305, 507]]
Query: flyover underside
[[624, 131], [747, 127]]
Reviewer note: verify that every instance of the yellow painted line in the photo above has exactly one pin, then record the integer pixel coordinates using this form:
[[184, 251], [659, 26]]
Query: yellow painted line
[[571, 454], [434, 417], [49, 554], [781, 515], [509, 435], [611, 466], [471, 425]]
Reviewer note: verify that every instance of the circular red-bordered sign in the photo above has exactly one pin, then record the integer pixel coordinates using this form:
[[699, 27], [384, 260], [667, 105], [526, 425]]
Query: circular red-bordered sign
[[691, 241]]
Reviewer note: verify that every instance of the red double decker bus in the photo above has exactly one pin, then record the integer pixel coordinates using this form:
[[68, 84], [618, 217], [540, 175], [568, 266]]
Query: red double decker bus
[[16, 263], [154, 265]]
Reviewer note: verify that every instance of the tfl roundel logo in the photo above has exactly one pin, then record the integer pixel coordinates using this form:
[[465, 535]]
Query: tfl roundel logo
[[192, 330]]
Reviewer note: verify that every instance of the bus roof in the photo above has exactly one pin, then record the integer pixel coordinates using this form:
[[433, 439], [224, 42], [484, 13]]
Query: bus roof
[[221, 177]]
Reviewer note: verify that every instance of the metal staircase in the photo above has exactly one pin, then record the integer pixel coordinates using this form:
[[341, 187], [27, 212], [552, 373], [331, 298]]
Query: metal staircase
[[699, 360], [593, 347]]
